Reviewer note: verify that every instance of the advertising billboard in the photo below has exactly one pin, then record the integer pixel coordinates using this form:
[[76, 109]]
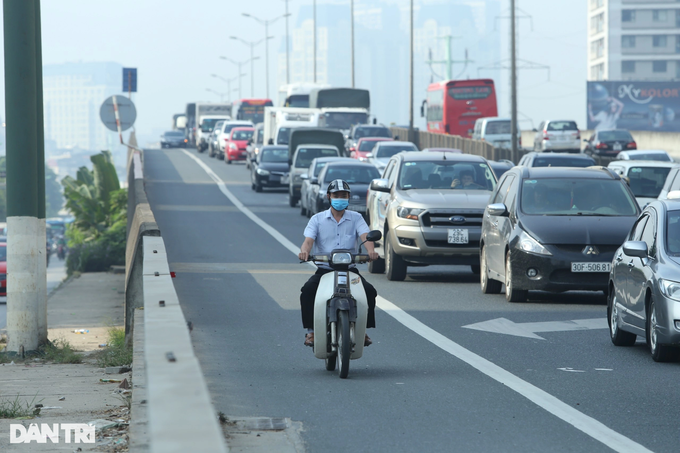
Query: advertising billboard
[[636, 106]]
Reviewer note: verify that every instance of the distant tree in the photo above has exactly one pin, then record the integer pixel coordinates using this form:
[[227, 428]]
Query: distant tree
[[54, 198]]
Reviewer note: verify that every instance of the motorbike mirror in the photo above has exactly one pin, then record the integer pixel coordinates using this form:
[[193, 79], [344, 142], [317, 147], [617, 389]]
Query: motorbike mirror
[[374, 235]]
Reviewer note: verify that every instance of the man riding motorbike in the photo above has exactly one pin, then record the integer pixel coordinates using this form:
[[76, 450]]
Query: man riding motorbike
[[336, 228]]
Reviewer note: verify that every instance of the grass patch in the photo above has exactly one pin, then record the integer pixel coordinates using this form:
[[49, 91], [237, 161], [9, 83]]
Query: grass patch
[[17, 409], [116, 353], [60, 351]]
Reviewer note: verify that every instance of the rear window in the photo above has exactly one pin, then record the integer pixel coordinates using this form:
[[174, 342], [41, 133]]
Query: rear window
[[305, 156], [284, 136], [352, 174], [562, 126], [446, 174], [367, 145], [610, 136], [385, 152], [647, 181], [498, 127], [562, 161], [361, 132], [566, 197], [275, 155], [174, 134], [658, 157], [242, 135]]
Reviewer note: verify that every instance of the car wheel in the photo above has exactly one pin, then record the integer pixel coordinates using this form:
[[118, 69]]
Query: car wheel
[[292, 200], [303, 210], [511, 293], [489, 286], [227, 160], [395, 266], [252, 186], [258, 187], [660, 352], [618, 336]]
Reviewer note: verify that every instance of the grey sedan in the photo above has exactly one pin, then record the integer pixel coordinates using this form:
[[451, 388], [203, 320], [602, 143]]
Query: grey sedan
[[644, 283]]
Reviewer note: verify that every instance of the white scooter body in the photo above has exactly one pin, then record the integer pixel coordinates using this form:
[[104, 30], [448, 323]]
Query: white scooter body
[[325, 292]]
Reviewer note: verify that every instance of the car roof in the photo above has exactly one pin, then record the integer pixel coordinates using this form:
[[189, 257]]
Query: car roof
[[376, 139], [348, 162], [612, 130], [411, 156], [549, 155], [266, 147], [642, 163], [671, 205], [595, 172], [643, 151], [316, 145], [396, 143], [443, 150], [329, 159]]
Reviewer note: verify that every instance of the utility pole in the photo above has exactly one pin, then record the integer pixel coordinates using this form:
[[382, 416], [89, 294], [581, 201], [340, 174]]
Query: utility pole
[[252, 45], [314, 34], [266, 41], [351, 21], [26, 246], [411, 132], [513, 84], [448, 62], [42, 208], [287, 47]]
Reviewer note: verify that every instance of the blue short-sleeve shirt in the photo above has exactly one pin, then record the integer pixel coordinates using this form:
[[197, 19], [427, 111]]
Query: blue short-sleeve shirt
[[329, 234]]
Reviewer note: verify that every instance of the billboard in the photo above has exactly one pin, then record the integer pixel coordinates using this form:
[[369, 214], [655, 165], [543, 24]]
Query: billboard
[[636, 106]]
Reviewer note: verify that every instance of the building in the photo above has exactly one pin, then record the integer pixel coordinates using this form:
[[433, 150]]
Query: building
[[634, 40], [73, 94]]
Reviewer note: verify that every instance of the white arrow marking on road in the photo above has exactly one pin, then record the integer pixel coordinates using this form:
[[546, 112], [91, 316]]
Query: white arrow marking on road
[[527, 329]]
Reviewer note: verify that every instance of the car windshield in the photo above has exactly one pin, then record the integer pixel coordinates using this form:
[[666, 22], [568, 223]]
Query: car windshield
[[352, 174], [229, 127], [563, 196], [3, 253], [498, 127], [242, 135], [306, 155], [174, 134], [367, 145], [343, 120], [319, 167], [562, 126], [283, 136], [361, 132], [387, 151], [612, 136], [658, 157], [647, 181], [208, 124], [562, 161], [672, 233], [446, 174], [275, 155]]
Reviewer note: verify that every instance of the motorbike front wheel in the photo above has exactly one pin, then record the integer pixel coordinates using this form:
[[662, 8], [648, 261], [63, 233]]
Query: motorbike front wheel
[[344, 344]]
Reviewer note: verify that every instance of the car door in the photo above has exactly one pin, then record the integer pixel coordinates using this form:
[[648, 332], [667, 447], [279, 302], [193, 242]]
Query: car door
[[382, 199], [623, 265], [641, 270], [490, 226], [304, 190]]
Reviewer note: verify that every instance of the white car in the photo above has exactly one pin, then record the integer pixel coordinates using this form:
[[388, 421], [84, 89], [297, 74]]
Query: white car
[[497, 131], [384, 150], [557, 135], [645, 178], [645, 154]]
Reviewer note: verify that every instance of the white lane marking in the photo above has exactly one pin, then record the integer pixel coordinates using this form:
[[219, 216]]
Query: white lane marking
[[571, 370], [528, 329], [578, 420]]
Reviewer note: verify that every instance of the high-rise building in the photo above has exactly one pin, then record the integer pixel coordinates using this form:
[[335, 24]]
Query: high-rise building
[[73, 94], [634, 40]]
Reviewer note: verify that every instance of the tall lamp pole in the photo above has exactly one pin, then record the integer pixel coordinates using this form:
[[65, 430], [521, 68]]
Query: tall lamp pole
[[240, 73], [252, 45], [266, 39], [411, 132], [351, 21], [228, 81], [221, 95], [513, 84], [314, 34], [287, 46]]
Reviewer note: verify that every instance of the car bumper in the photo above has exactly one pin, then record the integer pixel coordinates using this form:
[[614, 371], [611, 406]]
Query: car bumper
[[237, 155], [561, 145], [554, 271], [410, 243], [269, 180]]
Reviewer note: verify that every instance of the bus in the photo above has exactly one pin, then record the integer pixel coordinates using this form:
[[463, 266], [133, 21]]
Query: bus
[[297, 94], [250, 109], [453, 106]]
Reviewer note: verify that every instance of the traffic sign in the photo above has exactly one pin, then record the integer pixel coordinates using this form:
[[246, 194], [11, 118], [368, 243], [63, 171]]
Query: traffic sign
[[129, 80], [126, 113]]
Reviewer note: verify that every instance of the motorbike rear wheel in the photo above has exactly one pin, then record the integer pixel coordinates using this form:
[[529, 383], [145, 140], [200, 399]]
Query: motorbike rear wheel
[[344, 344]]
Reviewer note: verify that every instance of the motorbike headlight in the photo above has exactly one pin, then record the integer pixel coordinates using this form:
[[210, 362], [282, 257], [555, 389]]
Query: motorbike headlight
[[409, 213], [670, 289], [531, 245], [341, 258], [262, 172]]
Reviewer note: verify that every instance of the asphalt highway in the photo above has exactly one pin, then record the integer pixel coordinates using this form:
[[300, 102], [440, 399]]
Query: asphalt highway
[[539, 376]]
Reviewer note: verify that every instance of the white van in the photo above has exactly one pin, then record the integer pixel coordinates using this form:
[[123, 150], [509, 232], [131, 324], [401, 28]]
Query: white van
[[497, 131]]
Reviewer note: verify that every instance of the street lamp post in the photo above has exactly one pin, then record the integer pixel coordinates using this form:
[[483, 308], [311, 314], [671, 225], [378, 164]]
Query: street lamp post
[[228, 81], [351, 21], [240, 73], [411, 132], [266, 44], [221, 95], [287, 47], [252, 45], [314, 35]]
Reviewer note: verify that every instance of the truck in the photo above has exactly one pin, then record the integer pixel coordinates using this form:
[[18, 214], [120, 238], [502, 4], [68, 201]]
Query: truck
[[279, 121], [190, 127], [179, 121], [341, 108], [297, 94], [206, 117]]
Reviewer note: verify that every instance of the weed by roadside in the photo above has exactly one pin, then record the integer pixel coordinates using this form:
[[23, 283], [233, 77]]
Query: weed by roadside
[[18, 409], [60, 351], [116, 353]]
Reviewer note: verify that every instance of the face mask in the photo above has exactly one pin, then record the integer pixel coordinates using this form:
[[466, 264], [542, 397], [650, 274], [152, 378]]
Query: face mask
[[339, 204]]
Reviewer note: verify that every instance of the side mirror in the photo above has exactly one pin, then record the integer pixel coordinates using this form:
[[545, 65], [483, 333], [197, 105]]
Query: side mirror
[[314, 180], [304, 176], [635, 248], [271, 141], [374, 235], [380, 185], [497, 209]]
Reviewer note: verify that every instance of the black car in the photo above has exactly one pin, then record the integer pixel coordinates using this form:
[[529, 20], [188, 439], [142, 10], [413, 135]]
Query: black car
[[310, 179], [357, 174], [364, 130], [500, 167], [269, 167], [554, 229], [609, 142], [173, 139], [534, 159]]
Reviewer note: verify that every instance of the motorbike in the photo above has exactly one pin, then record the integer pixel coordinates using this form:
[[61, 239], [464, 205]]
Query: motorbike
[[341, 309], [61, 252]]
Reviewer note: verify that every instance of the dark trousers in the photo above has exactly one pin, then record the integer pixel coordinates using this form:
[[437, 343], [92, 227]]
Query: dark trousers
[[308, 294]]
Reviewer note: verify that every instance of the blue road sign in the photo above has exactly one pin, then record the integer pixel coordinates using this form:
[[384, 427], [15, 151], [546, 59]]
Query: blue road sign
[[129, 80]]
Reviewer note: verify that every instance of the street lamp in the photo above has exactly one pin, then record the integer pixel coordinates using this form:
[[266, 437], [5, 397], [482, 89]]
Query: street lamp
[[267, 38], [228, 81], [239, 64], [221, 95], [252, 45]]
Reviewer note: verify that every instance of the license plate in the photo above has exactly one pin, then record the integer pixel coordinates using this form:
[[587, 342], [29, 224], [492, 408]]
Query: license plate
[[591, 267], [458, 236], [274, 178], [617, 146]]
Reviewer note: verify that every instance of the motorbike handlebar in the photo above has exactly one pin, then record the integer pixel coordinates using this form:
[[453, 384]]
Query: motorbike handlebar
[[356, 259]]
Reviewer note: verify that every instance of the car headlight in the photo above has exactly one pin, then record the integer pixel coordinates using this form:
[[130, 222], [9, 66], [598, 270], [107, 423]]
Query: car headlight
[[262, 172], [297, 178], [409, 213], [531, 245], [232, 146], [341, 258], [670, 289]]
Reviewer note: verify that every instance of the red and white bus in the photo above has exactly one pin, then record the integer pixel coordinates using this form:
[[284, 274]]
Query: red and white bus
[[453, 106], [250, 109]]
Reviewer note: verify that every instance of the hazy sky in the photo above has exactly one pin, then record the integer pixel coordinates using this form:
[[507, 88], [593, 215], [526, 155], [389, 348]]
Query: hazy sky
[[176, 47]]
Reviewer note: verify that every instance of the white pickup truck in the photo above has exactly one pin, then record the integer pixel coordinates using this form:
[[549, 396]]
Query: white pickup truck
[[279, 121]]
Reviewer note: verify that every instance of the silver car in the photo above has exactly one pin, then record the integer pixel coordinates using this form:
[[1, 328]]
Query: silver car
[[644, 282]]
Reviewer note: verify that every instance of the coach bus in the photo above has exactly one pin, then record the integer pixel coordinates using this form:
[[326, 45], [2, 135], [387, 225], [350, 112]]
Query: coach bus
[[250, 109], [453, 106]]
